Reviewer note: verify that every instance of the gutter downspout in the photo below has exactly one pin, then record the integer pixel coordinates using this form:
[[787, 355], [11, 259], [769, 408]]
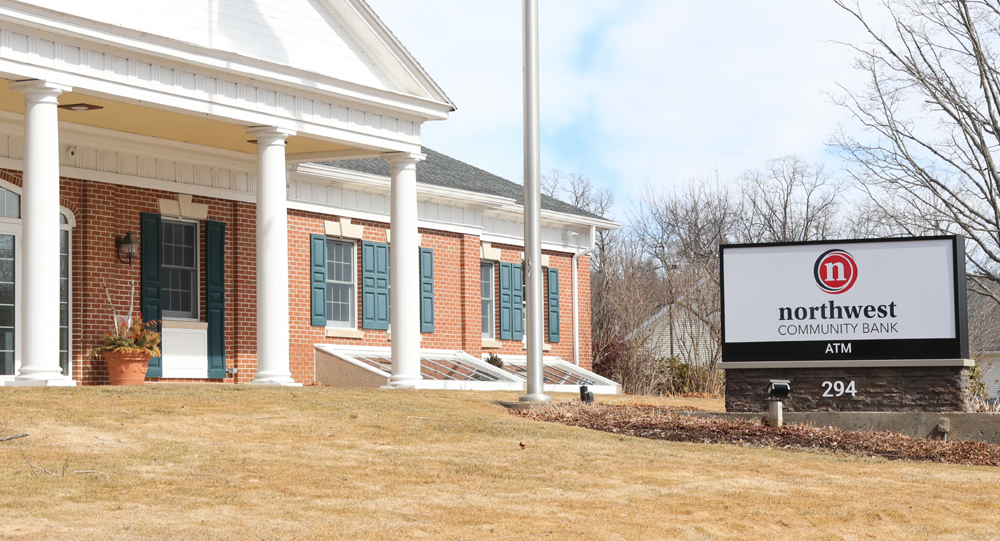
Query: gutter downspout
[[576, 295]]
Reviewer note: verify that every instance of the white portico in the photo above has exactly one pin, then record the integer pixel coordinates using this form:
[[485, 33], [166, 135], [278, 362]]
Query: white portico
[[275, 81]]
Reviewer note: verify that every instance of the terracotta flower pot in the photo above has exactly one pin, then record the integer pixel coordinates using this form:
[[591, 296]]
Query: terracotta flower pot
[[126, 368]]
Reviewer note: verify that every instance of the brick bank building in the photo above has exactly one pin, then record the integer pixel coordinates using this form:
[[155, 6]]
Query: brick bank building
[[266, 157]]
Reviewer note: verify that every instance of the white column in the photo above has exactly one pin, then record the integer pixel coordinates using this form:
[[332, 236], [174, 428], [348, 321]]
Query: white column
[[404, 270], [272, 258], [40, 237]]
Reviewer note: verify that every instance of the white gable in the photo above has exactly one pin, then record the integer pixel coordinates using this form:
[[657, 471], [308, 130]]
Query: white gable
[[302, 34]]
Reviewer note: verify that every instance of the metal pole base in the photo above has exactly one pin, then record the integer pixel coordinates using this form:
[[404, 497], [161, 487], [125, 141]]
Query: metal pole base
[[775, 418], [535, 397]]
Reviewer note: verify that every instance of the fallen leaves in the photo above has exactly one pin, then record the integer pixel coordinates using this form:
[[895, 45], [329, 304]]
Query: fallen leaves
[[665, 423]]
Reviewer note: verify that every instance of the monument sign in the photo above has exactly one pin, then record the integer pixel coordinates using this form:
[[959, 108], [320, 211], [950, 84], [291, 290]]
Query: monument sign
[[876, 324]]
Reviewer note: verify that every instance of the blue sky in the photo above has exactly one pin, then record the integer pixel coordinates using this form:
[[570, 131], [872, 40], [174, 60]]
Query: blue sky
[[655, 91]]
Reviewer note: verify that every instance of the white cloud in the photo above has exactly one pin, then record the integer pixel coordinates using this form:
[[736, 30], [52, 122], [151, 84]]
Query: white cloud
[[634, 89]]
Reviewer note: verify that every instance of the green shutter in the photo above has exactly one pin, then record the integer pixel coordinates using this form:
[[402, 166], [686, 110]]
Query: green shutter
[[215, 297], [317, 279], [553, 305], [505, 302], [426, 290], [516, 302], [374, 286], [149, 289]]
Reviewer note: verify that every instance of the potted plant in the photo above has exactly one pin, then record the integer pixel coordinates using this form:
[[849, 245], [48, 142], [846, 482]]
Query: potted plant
[[129, 347]]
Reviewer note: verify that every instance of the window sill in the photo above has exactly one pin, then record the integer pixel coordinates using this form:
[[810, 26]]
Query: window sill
[[488, 343], [183, 324], [545, 347], [339, 332]]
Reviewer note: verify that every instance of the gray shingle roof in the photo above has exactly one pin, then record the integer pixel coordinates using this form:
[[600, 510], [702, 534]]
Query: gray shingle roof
[[441, 170]]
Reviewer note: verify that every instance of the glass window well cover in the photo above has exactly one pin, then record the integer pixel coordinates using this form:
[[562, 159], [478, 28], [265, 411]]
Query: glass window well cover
[[438, 368], [556, 371], [447, 369]]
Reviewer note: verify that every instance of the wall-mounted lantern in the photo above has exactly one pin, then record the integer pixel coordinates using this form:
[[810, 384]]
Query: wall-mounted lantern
[[127, 248]]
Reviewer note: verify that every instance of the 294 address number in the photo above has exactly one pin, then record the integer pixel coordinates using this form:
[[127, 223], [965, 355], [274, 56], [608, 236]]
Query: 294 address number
[[838, 387]]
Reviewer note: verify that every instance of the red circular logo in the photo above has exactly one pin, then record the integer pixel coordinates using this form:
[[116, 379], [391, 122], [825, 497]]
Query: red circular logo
[[835, 271]]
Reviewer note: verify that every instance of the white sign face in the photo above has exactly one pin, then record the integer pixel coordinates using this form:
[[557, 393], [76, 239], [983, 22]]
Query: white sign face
[[840, 292]]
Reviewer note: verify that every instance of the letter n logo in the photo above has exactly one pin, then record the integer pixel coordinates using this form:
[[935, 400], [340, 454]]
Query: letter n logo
[[835, 271]]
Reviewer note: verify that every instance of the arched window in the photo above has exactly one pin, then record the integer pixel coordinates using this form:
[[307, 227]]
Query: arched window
[[10, 204]]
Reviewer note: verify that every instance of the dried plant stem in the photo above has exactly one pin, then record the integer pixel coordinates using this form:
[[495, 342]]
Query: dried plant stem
[[131, 301], [114, 313]]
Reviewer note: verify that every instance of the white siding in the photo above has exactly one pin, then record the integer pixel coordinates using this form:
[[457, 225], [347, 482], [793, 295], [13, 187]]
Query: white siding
[[378, 203], [32, 49], [676, 332], [990, 365], [302, 34], [111, 160]]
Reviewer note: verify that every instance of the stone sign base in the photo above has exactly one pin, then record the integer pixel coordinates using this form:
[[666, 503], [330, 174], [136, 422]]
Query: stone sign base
[[925, 388]]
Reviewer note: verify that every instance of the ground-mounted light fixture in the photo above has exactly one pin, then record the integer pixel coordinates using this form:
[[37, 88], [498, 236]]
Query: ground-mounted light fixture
[[586, 396], [126, 248], [777, 390], [80, 107]]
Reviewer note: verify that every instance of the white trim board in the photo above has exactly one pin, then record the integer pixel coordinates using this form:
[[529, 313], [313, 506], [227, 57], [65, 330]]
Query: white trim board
[[101, 38], [846, 364]]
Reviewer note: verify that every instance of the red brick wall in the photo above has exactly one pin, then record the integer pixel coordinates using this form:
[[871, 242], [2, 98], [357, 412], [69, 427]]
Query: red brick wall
[[472, 327], [104, 210], [564, 349], [583, 289], [450, 251], [107, 210]]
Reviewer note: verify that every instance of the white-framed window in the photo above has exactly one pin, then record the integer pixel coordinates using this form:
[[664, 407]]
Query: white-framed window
[[66, 224], [341, 296], [10, 204], [9, 242], [179, 263], [486, 297]]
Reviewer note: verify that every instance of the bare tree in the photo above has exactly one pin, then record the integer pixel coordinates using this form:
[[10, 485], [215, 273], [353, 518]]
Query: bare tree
[[789, 200], [932, 108], [685, 225], [578, 190], [679, 232], [621, 303]]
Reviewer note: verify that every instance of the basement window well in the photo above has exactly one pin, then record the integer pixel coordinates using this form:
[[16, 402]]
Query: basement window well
[[559, 376], [364, 366]]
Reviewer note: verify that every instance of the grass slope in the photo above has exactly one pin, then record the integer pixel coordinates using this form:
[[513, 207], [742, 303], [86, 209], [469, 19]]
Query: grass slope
[[220, 462]]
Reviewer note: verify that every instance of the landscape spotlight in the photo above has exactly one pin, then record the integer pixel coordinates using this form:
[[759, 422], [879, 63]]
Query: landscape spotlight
[[779, 388], [587, 397]]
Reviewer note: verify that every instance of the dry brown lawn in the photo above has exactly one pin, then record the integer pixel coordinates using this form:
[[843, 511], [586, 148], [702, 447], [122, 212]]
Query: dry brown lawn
[[241, 462]]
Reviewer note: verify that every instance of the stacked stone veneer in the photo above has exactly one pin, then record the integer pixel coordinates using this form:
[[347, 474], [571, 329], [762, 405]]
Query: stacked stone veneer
[[878, 389]]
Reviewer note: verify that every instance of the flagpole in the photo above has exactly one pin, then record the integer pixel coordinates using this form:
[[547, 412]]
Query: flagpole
[[532, 208]]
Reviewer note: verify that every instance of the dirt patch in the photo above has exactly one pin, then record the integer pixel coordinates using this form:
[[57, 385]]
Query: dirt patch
[[664, 423]]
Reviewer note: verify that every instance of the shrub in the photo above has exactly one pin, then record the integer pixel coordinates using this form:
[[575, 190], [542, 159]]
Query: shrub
[[495, 360]]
